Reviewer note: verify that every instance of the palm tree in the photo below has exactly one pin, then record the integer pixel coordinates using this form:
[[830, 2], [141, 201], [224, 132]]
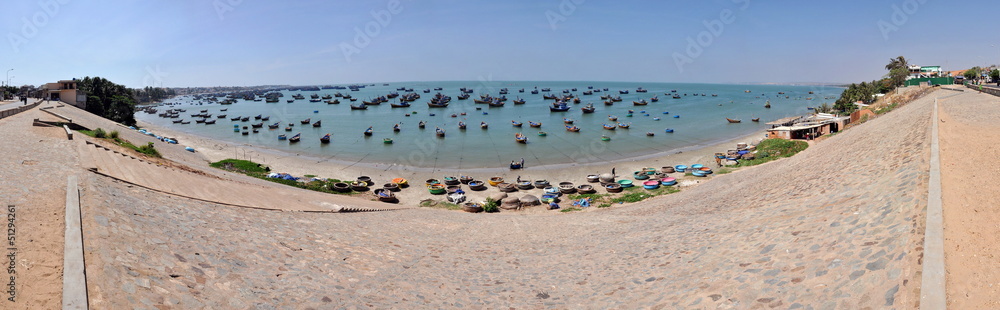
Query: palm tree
[[898, 62]]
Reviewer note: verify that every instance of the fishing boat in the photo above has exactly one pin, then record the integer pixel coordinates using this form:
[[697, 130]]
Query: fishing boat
[[520, 138], [755, 119], [305, 121], [288, 128], [282, 137], [513, 165], [612, 118], [401, 104], [257, 125], [605, 138], [534, 125], [589, 108], [568, 121], [624, 125], [395, 127], [461, 125], [519, 101], [359, 107], [559, 106], [439, 132], [623, 92], [387, 141], [437, 105], [767, 105], [235, 118], [542, 134], [669, 130], [484, 125], [650, 134], [516, 123], [295, 138], [654, 99], [640, 102], [573, 128], [733, 120], [422, 124], [610, 127], [317, 124], [209, 122], [496, 103], [325, 138], [274, 126], [369, 131]]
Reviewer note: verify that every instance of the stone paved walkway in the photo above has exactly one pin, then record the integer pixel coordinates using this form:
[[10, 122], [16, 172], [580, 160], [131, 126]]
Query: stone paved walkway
[[838, 226]]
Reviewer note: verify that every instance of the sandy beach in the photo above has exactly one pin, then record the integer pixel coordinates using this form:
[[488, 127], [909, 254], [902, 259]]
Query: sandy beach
[[306, 164]]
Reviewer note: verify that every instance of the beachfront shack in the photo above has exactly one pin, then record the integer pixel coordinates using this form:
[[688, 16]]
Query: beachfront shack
[[65, 91], [801, 128]]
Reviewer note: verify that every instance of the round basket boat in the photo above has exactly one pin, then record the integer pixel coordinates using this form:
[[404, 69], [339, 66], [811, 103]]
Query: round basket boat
[[667, 169], [401, 182], [529, 200], [639, 175], [525, 185], [506, 187], [697, 166], [495, 180], [698, 173], [384, 195], [465, 179], [359, 186], [451, 181], [366, 179], [613, 188], [541, 183], [593, 178], [392, 187], [472, 207], [659, 175], [510, 203], [706, 170], [341, 187], [451, 189], [625, 183], [649, 170], [477, 185], [585, 189], [551, 190], [567, 187], [668, 181], [430, 182], [651, 184], [680, 168], [436, 189]]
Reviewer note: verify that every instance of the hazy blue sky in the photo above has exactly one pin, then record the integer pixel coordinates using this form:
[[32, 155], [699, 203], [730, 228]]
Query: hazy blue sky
[[248, 42]]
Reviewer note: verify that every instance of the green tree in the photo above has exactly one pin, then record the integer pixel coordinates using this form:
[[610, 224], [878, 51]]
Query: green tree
[[898, 70], [972, 74], [995, 75], [112, 101]]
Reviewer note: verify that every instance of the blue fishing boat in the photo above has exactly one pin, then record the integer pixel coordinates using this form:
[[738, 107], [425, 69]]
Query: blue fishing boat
[[295, 138], [669, 130], [516, 123], [369, 131], [559, 106], [520, 138]]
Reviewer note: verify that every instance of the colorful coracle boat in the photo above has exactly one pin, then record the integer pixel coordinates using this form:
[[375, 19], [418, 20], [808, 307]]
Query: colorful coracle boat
[[624, 125], [520, 138], [534, 125], [698, 173], [610, 127], [651, 184], [495, 180], [387, 141], [639, 175], [451, 181], [649, 170], [625, 183], [680, 168], [669, 130], [573, 128], [542, 134], [668, 181], [568, 121], [697, 166], [430, 182], [436, 189], [401, 182], [605, 138], [516, 123]]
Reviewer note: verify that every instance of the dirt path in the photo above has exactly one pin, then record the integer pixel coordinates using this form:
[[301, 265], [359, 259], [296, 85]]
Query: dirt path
[[970, 177]]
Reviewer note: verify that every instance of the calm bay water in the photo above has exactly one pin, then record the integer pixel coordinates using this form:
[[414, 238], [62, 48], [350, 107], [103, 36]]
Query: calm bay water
[[702, 121]]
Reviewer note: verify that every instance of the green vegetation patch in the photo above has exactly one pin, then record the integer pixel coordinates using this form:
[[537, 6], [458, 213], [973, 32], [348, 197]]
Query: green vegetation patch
[[430, 203], [772, 149], [99, 133], [259, 171]]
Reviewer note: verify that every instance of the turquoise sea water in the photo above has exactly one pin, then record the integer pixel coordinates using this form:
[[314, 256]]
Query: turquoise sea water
[[702, 121]]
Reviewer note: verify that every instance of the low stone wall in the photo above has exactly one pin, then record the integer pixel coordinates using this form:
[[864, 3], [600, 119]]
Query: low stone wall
[[11, 112]]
